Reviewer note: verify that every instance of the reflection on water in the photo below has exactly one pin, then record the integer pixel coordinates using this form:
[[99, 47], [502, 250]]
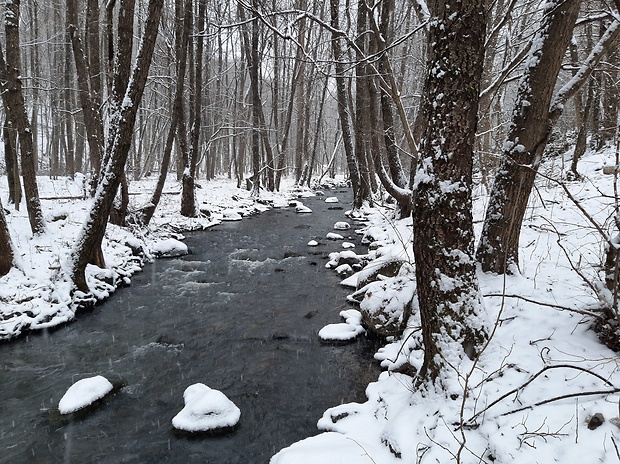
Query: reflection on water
[[239, 314]]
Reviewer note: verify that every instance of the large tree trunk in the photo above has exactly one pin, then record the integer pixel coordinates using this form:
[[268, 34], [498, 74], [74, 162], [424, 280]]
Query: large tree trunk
[[92, 233], [498, 250], [14, 99], [447, 285]]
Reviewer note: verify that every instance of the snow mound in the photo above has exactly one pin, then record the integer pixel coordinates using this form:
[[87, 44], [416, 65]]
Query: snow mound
[[231, 215], [334, 236], [342, 225], [84, 393], [331, 200], [300, 208], [313, 243], [205, 410], [344, 331], [327, 448], [169, 248], [347, 245]]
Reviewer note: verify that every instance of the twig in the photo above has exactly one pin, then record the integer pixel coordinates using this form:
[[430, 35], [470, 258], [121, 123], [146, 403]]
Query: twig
[[562, 397], [550, 305], [538, 374]]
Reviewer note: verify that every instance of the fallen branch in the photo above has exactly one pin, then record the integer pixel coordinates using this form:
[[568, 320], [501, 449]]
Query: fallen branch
[[538, 374], [550, 305]]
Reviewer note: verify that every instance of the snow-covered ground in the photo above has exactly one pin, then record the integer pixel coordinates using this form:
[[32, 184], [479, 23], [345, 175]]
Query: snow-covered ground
[[37, 294], [530, 397], [533, 394]]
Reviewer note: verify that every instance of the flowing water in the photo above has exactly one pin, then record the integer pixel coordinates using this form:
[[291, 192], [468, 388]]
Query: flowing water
[[240, 314]]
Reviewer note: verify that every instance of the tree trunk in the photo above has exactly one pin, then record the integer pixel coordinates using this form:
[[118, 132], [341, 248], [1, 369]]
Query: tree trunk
[[188, 200], [14, 99], [498, 250], [7, 255], [92, 233], [447, 285], [12, 163], [343, 114], [92, 116]]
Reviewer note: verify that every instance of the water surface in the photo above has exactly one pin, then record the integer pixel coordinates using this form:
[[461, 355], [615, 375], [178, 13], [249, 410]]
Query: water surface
[[240, 314]]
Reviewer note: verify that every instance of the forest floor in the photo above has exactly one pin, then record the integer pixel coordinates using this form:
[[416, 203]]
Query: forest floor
[[532, 395]]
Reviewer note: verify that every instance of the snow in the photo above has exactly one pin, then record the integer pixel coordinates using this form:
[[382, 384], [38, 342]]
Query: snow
[[84, 393], [303, 209], [205, 410], [504, 407], [343, 331], [37, 294], [333, 236], [169, 248], [231, 215], [342, 225], [331, 200], [313, 243]]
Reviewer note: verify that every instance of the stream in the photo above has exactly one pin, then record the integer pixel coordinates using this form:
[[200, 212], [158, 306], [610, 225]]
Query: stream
[[240, 314]]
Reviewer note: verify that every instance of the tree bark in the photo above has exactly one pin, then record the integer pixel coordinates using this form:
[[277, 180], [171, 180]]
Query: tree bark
[[7, 255], [188, 198], [14, 98], [447, 286], [343, 113], [9, 134], [533, 119], [92, 233], [92, 116]]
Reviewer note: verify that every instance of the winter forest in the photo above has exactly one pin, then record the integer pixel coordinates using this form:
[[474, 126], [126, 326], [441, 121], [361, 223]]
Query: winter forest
[[473, 147]]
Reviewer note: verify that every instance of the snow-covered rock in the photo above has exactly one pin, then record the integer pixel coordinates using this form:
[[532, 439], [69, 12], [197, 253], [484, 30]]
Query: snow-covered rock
[[342, 225], [344, 331], [331, 200], [231, 215], [334, 236], [169, 248], [348, 245], [386, 303], [302, 209], [313, 243], [206, 410], [84, 393]]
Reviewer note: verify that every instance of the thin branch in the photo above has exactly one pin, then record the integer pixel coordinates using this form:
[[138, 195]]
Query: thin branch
[[550, 305]]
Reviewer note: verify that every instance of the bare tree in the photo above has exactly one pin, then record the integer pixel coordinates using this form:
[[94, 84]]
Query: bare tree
[[533, 118], [14, 102], [92, 233]]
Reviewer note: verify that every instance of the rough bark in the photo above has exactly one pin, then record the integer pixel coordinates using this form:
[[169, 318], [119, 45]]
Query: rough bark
[[447, 285], [92, 233], [528, 135], [7, 255], [93, 123], [9, 136], [343, 114], [533, 119], [188, 198], [14, 99]]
